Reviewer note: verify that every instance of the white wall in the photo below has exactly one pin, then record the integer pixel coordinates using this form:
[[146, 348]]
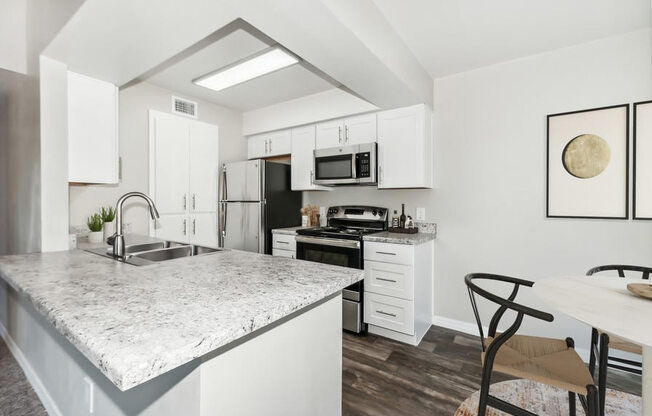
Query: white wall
[[490, 164], [309, 109], [134, 103], [13, 35]]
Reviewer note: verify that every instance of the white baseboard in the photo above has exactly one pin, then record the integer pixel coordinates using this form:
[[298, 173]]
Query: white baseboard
[[32, 377], [472, 329]]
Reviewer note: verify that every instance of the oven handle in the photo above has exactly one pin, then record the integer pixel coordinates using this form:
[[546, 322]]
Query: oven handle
[[335, 242]]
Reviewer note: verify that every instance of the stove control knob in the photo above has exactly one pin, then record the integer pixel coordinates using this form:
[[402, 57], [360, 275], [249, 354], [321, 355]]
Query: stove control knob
[[374, 212], [335, 210], [380, 212]]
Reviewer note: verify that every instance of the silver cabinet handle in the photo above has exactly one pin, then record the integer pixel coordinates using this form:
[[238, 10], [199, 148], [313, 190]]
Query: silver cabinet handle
[[282, 242], [393, 315], [312, 178], [193, 202], [339, 134], [270, 145], [346, 134], [266, 144], [185, 223], [184, 202], [386, 280], [387, 253], [193, 226]]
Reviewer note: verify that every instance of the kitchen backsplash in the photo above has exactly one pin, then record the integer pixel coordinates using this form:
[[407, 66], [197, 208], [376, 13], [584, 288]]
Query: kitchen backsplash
[[427, 227]]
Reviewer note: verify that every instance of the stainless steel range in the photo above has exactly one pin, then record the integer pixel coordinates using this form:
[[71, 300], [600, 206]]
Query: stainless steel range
[[340, 243]]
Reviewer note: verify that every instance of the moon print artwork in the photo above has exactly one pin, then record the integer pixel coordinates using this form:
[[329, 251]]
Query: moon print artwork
[[587, 167]]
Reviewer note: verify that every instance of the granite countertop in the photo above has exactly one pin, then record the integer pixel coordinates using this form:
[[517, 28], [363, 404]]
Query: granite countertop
[[397, 238], [288, 230], [135, 323]]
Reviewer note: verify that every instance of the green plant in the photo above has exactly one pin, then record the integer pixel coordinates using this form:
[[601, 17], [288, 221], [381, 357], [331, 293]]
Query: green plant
[[95, 222], [108, 214]]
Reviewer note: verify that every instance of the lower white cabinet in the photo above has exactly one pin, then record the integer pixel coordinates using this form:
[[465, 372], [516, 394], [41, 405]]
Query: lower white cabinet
[[200, 229], [173, 227], [284, 245], [398, 289]]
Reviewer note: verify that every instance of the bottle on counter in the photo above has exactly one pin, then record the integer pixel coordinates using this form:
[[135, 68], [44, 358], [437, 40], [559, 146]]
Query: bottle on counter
[[395, 220], [402, 218]]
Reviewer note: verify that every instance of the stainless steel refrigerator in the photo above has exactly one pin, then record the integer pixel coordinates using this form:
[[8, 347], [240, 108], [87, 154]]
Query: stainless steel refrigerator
[[255, 198]]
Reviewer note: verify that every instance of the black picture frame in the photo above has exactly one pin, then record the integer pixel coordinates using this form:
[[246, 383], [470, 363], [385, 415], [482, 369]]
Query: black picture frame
[[548, 117], [634, 188]]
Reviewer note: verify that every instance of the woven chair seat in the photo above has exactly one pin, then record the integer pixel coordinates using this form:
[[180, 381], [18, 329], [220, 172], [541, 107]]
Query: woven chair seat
[[544, 360]]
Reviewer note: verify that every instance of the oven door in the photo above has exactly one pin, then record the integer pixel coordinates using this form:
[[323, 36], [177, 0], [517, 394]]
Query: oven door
[[339, 252]]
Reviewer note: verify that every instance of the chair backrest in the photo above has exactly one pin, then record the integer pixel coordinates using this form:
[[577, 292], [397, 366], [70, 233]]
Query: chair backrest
[[621, 268], [504, 304]]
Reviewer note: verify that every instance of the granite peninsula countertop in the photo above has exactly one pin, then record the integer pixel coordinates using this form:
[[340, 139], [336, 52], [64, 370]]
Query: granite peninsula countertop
[[288, 230], [136, 323], [397, 238]]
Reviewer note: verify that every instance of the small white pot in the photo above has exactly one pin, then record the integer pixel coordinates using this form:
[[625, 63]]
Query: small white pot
[[109, 229], [95, 236]]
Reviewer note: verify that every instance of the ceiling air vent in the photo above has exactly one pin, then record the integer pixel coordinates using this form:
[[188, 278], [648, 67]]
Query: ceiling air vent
[[184, 107]]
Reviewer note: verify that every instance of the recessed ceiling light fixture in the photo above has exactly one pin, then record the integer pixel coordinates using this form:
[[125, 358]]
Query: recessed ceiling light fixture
[[254, 66]]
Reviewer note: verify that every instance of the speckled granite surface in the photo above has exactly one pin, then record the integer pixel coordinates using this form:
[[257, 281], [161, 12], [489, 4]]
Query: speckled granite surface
[[288, 230], [135, 323], [397, 238]]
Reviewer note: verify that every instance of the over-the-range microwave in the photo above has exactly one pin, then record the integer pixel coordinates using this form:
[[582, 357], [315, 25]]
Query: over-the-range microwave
[[346, 165]]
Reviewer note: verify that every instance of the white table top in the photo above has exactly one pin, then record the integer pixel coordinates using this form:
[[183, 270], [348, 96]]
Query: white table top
[[602, 302]]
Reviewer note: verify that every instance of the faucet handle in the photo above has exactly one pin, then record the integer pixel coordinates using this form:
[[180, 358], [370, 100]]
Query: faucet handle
[[110, 239]]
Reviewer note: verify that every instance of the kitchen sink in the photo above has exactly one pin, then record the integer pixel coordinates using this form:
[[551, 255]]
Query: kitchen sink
[[142, 254]]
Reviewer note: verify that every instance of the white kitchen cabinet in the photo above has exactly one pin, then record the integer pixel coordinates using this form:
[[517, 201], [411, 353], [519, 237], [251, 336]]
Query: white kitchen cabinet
[[204, 168], [302, 159], [184, 166], [92, 130], [360, 129], [170, 163], [405, 148], [202, 229], [398, 294], [272, 144], [284, 245], [173, 227], [329, 134]]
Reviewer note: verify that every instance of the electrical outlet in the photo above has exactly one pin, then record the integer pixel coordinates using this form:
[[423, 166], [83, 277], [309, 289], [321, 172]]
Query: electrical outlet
[[90, 394], [421, 214]]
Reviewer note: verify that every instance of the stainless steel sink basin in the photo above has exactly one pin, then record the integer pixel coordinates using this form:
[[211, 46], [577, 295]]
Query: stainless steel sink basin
[[174, 252], [142, 254]]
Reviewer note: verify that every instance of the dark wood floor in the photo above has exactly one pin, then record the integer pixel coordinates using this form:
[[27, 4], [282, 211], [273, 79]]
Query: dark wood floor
[[17, 398], [383, 377]]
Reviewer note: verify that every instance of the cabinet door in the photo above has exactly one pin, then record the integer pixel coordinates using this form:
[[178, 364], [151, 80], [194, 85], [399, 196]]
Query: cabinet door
[[92, 130], [172, 227], [279, 143], [171, 167], [302, 159], [360, 129], [404, 151], [203, 229], [257, 146], [330, 134], [204, 167]]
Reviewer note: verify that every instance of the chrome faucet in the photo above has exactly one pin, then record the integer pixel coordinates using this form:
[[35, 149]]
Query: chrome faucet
[[118, 239]]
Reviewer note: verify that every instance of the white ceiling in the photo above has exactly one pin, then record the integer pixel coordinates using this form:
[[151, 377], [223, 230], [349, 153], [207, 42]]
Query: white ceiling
[[454, 36], [286, 84]]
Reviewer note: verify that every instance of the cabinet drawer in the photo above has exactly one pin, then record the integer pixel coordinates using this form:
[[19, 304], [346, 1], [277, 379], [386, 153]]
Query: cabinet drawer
[[284, 242], [388, 312], [283, 253], [389, 279], [389, 253]]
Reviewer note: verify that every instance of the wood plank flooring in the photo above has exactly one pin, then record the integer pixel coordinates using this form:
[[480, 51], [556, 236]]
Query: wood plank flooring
[[382, 377]]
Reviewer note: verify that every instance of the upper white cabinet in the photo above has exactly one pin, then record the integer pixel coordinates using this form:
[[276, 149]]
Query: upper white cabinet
[[92, 130], [303, 145], [405, 148], [276, 143], [348, 131], [184, 169]]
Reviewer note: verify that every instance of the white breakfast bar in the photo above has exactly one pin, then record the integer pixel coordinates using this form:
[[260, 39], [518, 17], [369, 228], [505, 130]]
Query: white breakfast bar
[[605, 303]]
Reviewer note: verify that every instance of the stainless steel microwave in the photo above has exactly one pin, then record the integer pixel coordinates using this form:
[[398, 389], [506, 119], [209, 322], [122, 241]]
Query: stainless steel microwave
[[346, 165]]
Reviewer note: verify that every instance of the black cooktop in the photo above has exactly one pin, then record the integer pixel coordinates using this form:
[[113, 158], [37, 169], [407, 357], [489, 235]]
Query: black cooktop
[[337, 232]]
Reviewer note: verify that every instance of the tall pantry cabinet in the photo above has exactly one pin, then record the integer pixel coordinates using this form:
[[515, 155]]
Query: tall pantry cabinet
[[183, 178]]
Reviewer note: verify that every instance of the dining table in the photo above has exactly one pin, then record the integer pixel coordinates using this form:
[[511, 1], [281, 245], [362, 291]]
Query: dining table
[[605, 303]]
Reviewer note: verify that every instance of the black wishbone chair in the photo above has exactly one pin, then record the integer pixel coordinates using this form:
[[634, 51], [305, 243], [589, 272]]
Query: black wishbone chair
[[544, 360], [602, 342]]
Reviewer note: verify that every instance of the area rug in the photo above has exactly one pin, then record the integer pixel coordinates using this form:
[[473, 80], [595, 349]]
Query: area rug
[[545, 400]]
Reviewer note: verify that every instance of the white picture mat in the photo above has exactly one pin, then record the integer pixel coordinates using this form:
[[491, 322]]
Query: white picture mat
[[643, 191], [603, 195]]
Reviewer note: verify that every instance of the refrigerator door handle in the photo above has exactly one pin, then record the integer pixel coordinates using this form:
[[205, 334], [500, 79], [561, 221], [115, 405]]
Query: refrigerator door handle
[[223, 183]]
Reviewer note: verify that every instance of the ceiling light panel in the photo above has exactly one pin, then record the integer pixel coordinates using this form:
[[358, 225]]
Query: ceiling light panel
[[257, 65]]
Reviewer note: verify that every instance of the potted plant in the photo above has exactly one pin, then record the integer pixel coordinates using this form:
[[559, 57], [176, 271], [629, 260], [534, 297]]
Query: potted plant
[[94, 223], [108, 218]]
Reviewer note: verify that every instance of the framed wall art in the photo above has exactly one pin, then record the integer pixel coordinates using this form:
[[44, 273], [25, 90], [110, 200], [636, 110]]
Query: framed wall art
[[588, 163], [642, 161]]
